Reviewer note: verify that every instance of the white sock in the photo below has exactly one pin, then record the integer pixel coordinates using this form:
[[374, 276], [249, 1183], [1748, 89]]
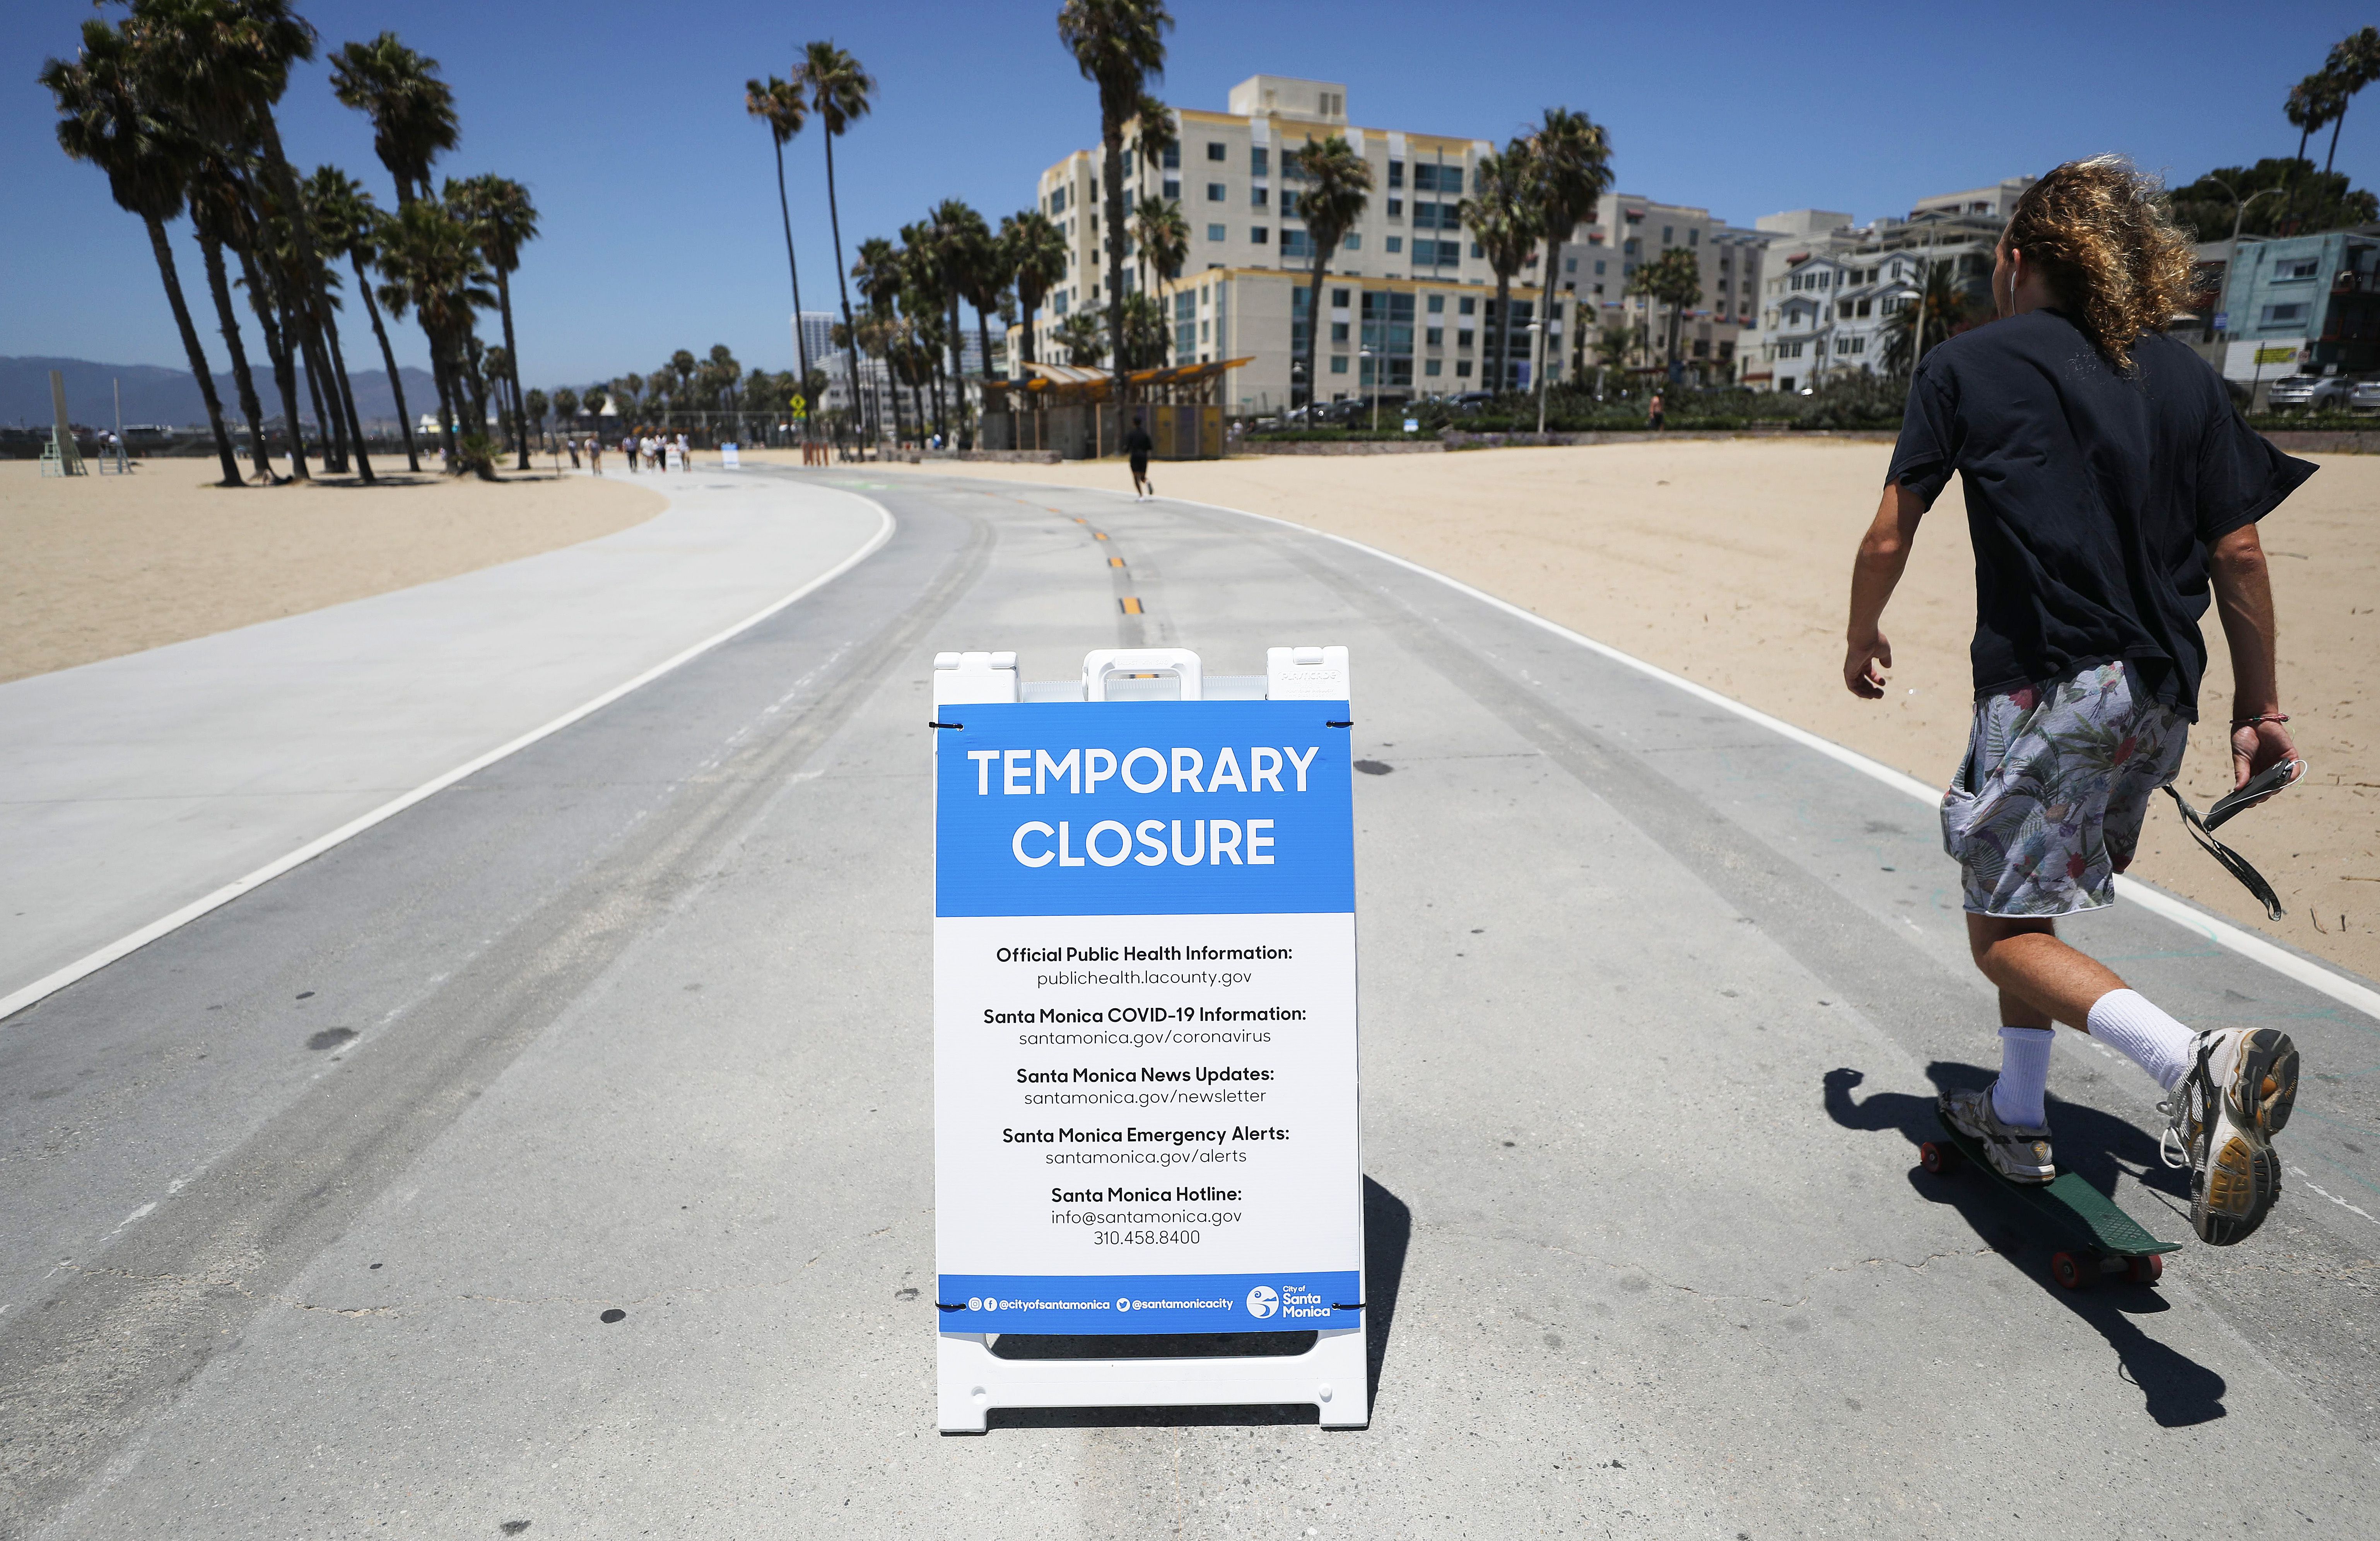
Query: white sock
[[2024, 1076], [2124, 1019]]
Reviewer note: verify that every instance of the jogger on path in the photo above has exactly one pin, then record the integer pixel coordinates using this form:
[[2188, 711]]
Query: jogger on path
[[2109, 484]]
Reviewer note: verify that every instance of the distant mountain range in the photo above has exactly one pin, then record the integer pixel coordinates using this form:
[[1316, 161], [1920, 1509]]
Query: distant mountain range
[[170, 397]]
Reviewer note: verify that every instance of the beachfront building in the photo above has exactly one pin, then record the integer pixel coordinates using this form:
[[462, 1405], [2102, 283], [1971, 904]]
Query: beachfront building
[[2294, 304], [1403, 287], [1409, 302], [1601, 257], [1832, 290]]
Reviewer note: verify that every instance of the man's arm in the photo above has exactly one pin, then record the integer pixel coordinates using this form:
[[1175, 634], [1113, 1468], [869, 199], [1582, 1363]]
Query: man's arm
[[1883, 553], [2244, 597]]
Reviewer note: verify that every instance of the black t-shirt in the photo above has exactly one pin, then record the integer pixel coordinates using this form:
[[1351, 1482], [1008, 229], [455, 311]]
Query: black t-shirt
[[1136, 441], [2092, 496]]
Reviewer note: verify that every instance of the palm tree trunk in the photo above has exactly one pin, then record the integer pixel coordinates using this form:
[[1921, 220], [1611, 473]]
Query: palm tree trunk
[[334, 441], [793, 270], [958, 368], [219, 285], [512, 367], [2331, 153], [347, 398], [388, 361], [198, 355], [447, 407], [1546, 304], [311, 305], [842, 285], [1111, 197], [1313, 335], [276, 346], [1503, 332]]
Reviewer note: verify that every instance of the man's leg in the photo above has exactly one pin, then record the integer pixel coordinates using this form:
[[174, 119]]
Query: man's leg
[[2035, 970]]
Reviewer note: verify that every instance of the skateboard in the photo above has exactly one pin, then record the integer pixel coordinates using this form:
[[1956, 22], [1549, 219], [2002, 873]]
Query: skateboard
[[2095, 1238]]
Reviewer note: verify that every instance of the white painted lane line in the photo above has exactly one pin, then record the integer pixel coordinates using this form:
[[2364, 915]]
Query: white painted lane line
[[2280, 960], [123, 946]]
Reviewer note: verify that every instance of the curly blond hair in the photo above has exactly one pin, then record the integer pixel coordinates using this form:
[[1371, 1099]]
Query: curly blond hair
[[2105, 239]]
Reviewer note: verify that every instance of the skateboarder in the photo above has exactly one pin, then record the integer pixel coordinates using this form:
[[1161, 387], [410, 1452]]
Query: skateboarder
[[1137, 444], [2108, 484]]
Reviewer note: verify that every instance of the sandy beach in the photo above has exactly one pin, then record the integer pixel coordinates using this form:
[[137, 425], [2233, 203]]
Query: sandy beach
[[101, 566], [1728, 562]]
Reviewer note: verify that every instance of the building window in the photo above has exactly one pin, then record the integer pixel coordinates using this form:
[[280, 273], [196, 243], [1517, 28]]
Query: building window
[[1865, 305], [1203, 325], [1462, 337], [1295, 243], [2284, 315], [1257, 159], [1396, 208], [1475, 252], [1785, 382], [1598, 267], [1215, 233], [1396, 174], [1437, 305], [1339, 331], [1339, 298], [2293, 268], [1338, 363], [1465, 306], [1693, 237], [1396, 243], [1462, 368], [1215, 151], [1217, 192], [1570, 264], [1258, 198], [1355, 241], [1173, 157], [1666, 236], [1431, 366], [1173, 188], [1258, 235], [1058, 302], [1433, 337]]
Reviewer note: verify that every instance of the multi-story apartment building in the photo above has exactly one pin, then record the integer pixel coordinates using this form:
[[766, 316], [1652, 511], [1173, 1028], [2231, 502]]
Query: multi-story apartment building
[[1832, 290], [2295, 304], [1601, 257]]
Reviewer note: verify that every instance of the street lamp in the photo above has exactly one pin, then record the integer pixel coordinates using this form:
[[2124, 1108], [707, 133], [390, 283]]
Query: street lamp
[[1374, 371]]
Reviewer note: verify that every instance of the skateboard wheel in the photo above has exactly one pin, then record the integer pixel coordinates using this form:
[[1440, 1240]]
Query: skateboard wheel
[[2072, 1270], [1938, 1158], [2144, 1270]]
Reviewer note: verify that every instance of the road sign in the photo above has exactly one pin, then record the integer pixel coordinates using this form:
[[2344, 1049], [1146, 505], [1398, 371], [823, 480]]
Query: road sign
[[1145, 1046], [2222, 320]]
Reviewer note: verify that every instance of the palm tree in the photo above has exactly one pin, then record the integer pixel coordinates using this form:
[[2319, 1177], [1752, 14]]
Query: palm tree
[[782, 107], [219, 214], [1162, 236], [1119, 47], [107, 117], [332, 239], [2354, 63], [432, 266], [984, 276], [504, 220], [1035, 251], [2313, 103], [960, 255], [349, 222], [1675, 280], [1080, 334], [841, 93], [412, 111], [1145, 332], [1572, 161], [1337, 185], [1501, 217], [1924, 315], [227, 63], [880, 273]]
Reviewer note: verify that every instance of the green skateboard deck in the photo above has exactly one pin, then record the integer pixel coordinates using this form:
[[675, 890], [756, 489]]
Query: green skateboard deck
[[2094, 1237]]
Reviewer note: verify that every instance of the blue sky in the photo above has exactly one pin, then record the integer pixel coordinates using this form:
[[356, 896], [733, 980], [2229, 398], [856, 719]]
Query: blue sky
[[660, 225]]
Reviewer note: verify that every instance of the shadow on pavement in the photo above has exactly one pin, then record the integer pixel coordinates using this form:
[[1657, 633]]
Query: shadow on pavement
[[1388, 1232], [2176, 1390]]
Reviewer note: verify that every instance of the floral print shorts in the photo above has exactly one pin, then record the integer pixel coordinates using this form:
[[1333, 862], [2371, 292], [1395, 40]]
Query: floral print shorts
[[2047, 808]]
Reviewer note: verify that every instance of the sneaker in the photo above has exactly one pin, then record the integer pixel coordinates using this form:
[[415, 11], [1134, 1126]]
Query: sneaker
[[2018, 1154], [2220, 1123]]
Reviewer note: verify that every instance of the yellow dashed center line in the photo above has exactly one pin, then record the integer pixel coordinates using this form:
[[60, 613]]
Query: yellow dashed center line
[[1115, 562], [1131, 605]]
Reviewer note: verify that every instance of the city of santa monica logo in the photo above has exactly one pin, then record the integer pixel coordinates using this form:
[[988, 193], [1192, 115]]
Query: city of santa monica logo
[[1263, 1301]]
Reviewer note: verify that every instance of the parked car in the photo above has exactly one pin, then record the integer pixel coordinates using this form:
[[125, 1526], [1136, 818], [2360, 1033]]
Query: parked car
[[1469, 402], [2310, 393], [2365, 397]]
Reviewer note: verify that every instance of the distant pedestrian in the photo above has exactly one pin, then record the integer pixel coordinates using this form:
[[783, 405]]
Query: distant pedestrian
[[1652, 413], [594, 454], [1137, 444]]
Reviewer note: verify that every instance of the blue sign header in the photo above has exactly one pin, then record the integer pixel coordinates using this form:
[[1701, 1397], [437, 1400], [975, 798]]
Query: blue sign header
[[1143, 808]]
